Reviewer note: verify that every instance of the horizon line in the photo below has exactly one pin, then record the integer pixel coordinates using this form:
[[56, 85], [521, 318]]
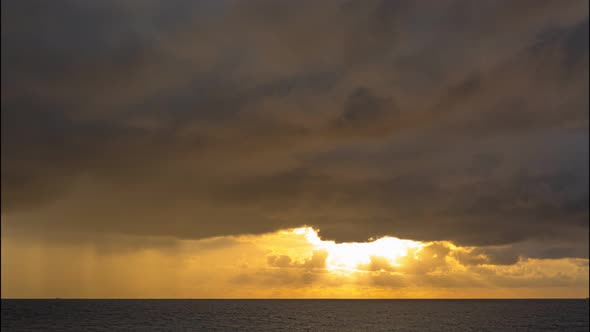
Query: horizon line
[[291, 298]]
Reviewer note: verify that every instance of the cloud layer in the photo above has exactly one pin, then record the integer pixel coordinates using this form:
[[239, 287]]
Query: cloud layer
[[455, 121]]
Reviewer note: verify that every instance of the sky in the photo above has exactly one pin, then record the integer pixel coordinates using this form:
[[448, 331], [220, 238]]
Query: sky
[[294, 149]]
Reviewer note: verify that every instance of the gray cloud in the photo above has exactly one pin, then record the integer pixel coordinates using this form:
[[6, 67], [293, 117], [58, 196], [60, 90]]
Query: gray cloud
[[194, 119], [482, 267], [316, 261]]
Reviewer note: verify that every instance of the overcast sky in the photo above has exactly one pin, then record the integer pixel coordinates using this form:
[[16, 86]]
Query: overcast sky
[[166, 121]]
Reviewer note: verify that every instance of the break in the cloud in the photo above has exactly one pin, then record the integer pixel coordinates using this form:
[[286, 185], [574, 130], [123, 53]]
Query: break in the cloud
[[453, 121], [291, 263]]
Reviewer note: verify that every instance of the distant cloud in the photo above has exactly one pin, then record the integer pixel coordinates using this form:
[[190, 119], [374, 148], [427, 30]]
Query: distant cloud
[[436, 265]]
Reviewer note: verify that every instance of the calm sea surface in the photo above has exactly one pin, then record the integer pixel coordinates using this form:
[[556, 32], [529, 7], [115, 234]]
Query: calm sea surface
[[295, 315]]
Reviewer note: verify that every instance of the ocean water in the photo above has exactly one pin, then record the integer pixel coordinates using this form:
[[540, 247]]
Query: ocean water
[[294, 315]]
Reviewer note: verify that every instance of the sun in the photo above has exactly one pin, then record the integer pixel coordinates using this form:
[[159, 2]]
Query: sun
[[343, 257]]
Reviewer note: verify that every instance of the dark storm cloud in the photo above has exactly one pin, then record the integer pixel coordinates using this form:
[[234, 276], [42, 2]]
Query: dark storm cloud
[[456, 121], [508, 255]]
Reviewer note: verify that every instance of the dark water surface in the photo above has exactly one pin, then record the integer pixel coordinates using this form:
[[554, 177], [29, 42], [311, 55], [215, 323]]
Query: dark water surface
[[295, 315]]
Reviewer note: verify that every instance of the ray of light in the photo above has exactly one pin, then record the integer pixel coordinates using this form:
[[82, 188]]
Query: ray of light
[[348, 256]]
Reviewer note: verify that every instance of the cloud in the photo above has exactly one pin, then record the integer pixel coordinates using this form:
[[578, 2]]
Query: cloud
[[316, 261], [283, 264], [279, 261], [362, 118], [437, 265]]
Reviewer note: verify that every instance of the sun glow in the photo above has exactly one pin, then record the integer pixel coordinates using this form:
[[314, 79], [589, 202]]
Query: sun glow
[[349, 256]]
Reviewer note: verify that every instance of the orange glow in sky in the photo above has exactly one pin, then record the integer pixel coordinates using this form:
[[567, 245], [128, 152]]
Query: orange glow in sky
[[343, 257]]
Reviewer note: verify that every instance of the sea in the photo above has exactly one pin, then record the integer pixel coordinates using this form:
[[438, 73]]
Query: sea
[[294, 315]]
